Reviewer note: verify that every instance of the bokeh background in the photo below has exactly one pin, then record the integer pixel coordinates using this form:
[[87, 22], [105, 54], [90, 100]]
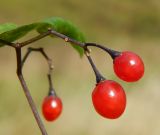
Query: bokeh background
[[121, 25]]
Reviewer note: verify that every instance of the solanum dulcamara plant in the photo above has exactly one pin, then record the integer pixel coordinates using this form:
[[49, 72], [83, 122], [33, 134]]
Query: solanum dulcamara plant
[[108, 96]]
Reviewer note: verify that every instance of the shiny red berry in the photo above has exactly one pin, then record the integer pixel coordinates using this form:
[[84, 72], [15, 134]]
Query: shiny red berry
[[109, 99], [128, 66], [51, 107]]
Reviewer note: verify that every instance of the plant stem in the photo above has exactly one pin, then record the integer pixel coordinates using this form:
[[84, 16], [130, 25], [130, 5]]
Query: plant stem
[[50, 66], [98, 75], [40, 36], [67, 39], [51, 32], [51, 88], [111, 52], [27, 93]]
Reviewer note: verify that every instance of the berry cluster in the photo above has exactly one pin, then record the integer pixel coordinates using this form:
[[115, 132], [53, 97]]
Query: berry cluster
[[108, 97]]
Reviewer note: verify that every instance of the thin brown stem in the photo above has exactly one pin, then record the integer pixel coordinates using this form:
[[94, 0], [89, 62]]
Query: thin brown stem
[[49, 61], [111, 52], [27, 93], [40, 36], [51, 32], [98, 75], [66, 38]]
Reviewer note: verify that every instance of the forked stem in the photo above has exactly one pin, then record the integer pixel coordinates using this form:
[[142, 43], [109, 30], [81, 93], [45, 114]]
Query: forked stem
[[50, 66], [27, 92]]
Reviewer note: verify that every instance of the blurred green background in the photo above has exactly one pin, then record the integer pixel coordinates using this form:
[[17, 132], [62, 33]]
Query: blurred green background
[[121, 25]]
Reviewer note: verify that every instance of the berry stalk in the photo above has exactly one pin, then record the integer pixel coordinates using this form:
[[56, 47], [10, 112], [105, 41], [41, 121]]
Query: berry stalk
[[51, 88], [111, 52], [98, 75]]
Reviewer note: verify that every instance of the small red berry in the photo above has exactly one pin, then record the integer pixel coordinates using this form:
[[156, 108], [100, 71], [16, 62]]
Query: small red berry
[[128, 66], [109, 99], [51, 107]]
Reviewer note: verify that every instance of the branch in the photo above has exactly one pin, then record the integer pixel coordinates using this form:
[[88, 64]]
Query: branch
[[111, 52], [49, 61], [66, 38], [51, 32], [27, 93]]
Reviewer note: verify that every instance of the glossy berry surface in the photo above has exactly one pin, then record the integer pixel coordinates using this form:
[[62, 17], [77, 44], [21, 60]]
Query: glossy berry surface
[[109, 99], [128, 66], [51, 107]]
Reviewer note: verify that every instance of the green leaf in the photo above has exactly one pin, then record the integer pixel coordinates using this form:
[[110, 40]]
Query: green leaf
[[6, 27], [64, 27], [17, 33], [10, 32]]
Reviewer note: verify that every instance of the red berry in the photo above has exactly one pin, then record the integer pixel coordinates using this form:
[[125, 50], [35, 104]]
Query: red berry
[[51, 107], [128, 66], [109, 99]]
